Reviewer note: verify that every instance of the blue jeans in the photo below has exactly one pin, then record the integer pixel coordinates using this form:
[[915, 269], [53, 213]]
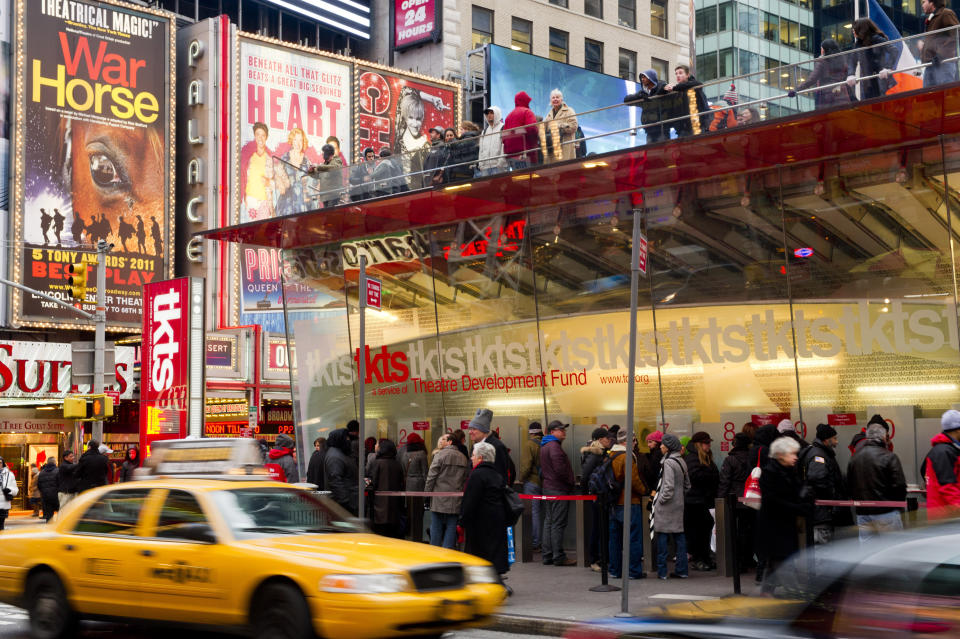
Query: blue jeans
[[943, 73], [443, 529], [530, 488], [680, 540], [870, 525], [636, 540]]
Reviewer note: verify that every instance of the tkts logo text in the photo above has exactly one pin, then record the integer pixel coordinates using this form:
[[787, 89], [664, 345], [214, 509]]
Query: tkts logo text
[[384, 366], [165, 346]]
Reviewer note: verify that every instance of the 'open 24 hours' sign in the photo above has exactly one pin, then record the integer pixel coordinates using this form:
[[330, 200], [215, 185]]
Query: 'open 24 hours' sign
[[416, 22]]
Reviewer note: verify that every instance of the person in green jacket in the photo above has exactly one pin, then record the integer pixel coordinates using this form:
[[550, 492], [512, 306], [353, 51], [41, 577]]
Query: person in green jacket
[[530, 475]]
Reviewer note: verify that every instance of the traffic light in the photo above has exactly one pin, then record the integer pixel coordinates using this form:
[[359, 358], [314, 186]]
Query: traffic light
[[101, 407], [75, 407], [88, 407], [78, 281]]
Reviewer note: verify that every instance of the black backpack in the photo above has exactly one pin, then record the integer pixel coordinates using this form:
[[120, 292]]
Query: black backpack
[[602, 482], [581, 144]]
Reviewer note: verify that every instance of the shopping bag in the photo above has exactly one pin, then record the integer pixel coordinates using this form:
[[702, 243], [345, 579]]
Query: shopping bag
[[751, 489]]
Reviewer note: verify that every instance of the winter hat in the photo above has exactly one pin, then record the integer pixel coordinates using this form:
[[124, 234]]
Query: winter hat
[[413, 438], [622, 436], [671, 442], [481, 421], [950, 420], [535, 428], [599, 433], [556, 425], [701, 437], [285, 441], [741, 441], [786, 426], [825, 431], [655, 436], [104, 449], [613, 430], [877, 419], [684, 441]]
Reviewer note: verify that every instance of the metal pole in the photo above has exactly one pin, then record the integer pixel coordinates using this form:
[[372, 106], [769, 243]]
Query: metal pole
[[100, 317], [632, 371], [362, 361]]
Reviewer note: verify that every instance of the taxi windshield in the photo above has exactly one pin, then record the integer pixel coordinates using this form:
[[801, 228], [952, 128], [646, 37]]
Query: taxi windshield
[[260, 512]]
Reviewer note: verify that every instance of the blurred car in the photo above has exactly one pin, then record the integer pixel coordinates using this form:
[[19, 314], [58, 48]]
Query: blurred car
[[234, 551], [904, 585]]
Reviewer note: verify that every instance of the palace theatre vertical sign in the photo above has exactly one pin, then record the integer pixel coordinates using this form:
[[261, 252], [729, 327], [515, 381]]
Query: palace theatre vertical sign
[[171, 369]]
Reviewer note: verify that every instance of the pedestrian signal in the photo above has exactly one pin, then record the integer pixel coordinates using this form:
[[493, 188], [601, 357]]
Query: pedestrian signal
[[101, 407], [75, 407]]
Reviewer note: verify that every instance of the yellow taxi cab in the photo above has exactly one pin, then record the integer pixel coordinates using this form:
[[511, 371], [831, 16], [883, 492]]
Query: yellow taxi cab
[[191, 546]]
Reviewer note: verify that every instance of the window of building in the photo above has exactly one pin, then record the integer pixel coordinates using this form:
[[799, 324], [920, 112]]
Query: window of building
[[748, 19], [789, 33], [770, 26], [725, 63], [628, 65], [706, 21], [116, 513], [482, 26], [726, 16], [807, 41], [662, 67], [771, 77], [749, 62], [627, 13], [559, 45], [593, 8], [658, 18], [559, 3], [521, 35], [707, 66], [593, 55]]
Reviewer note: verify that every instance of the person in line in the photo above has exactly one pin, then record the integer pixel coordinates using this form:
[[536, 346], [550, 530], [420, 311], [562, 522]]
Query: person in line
[[747, 116], [829, 71], [447, 474], [283, 455], [875, 58], [821, 472], [750, 430], [329, 175], [941, 469], [387, 176], [782, 500], [704, 482], [47, 482], [92, 468], [361, 176], [340, 471], [638, 490], [734, 472], [8, 490], [370, 450], [479, 429], [530, 477], [315, 466], [130, 464], [561, 122], [726, 118], [875, 474], [786, 428], [856, 443], [936, 48], [701, 107], [415, 470], [482, 513], [558, 479], [66, 478], [519, 134], [460, 442], [387, 475], [666, 518], [491, 159], [436, 135], [653, 111], [591, 457], [760, 448], [650, 462], [353, 434], [464, 153], [34, 490]]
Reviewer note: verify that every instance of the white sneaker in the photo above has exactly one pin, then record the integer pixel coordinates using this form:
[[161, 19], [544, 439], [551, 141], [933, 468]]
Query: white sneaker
[[595, 567]]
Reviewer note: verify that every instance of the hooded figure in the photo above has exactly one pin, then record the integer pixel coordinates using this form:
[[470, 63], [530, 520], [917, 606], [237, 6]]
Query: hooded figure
[[47, 482], [520, 144], [130, 464], [339, 471], [491, 144], [760, 449], [387, 475], [654, 110], [941, 469], [667, 513], [282, 455]]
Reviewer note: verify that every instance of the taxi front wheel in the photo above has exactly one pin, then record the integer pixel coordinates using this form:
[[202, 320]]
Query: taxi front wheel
[[50, 614], [281, 612]]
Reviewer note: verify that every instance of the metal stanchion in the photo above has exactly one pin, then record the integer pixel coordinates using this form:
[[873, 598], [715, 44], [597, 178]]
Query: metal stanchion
[[605, 547], [732, 547]]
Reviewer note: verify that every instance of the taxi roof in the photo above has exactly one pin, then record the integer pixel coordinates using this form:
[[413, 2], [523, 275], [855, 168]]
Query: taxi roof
[[207, 483]]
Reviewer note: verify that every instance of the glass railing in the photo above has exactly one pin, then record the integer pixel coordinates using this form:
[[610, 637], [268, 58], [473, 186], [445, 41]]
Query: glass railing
[[669, 112]]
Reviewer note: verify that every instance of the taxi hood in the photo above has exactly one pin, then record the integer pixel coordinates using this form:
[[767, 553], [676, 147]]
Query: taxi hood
[[357, 552]]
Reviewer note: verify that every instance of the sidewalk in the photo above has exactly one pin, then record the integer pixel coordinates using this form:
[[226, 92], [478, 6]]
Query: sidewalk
[[547, 600]]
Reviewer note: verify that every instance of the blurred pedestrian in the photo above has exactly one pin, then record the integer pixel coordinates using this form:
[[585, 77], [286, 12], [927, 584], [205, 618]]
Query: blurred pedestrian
[[558, 480], [282, 454], [479, 429], [856, 442], [34, 490], [759, 449], [938, 48], [329, 175], [415, 471], [821, 472], [700, 498], [130, 464], [941, 469], [66, 478], [361, 176], [47, 482], [448, 473], [782, 501], [482, 512], [315, 466], [370, 450], [519, 134], [734, 472], [875, 474], [530, 478], [387, 475], [650, 462], [340, 471], [666, 516], [618, 454], [92, 468], [8, 490], [464, 153], [591, 457]]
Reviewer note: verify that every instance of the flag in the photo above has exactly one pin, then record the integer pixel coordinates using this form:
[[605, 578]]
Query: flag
[[906, 80]]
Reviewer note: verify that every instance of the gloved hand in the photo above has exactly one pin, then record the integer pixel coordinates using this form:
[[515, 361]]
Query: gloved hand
[[426, 503], [791, 93], [852, 80], [885, 73], [935, 60]]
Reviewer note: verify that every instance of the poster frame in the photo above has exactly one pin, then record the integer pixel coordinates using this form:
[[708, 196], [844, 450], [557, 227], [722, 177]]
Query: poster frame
[[433, 37]]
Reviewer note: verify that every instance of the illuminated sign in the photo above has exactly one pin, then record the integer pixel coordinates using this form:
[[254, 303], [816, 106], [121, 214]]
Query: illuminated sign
[[416, 22], [803, 252], [349, 16]]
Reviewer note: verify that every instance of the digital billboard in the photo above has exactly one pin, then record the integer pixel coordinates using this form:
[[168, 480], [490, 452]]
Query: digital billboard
[[93, 154], [509, 72]]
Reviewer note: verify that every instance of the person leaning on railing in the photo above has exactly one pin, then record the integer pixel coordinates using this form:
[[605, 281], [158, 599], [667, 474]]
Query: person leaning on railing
[[937, 48], [328, 174], [361, 176], [827, 71], [561, 121], [464, 152], [685, 82], [653, 112], [875, 59]]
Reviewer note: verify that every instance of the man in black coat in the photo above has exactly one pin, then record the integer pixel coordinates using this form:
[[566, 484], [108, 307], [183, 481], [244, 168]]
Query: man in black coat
[[684, 83], [66, 478], [479, 431], [734, 472], [657, 103], [47, 483], [482, 511], [340, 471], [704, 481], [822, 474], [92, 469], [315, 467], [875, 474]]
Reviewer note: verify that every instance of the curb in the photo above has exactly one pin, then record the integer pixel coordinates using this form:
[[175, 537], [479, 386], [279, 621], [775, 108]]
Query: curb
[[524, 624]]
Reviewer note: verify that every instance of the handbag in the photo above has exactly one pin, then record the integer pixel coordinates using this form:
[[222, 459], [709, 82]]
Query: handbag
[[512, 506], [751, 489]]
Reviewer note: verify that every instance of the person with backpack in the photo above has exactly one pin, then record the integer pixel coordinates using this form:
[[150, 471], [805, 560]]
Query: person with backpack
[[591, 457], [734, 472], [282, 456], [558, 480], [821, 472], [614, 467], [666, 515]]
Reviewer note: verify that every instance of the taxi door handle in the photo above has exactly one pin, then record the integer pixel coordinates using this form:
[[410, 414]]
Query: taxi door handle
[[69, 547], [146, 553]]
